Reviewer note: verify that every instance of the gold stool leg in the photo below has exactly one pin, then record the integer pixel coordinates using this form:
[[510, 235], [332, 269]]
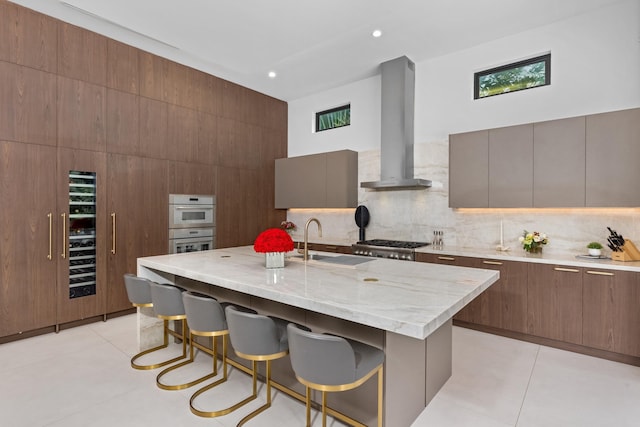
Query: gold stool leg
[[324, 408], [266, 405], [165, 344], [308, 405]]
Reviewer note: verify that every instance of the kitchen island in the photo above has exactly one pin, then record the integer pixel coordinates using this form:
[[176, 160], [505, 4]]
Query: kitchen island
[[402, 307]]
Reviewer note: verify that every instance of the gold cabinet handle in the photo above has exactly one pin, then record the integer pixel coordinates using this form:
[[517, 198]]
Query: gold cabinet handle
[[568, 270], [331, 248], [64, 235], [50, 233], [446, 258], [600, 273], [492, 262], [113, 233]]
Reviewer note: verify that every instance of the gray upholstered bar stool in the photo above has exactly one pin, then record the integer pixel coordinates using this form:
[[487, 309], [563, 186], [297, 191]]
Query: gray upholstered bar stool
[[206, 318], [329, 363], [256, 338], [167, 304], [139, 294]]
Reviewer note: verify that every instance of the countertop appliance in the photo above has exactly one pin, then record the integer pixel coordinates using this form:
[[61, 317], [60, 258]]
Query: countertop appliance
[[393, 249], [192, 220]]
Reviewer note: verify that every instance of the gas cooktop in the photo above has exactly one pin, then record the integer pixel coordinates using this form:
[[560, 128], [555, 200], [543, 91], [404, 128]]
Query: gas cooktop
[[393, 243]]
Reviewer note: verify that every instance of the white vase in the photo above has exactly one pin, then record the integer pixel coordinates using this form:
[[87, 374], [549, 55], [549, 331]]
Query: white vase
[[595, 252], [274, 259]]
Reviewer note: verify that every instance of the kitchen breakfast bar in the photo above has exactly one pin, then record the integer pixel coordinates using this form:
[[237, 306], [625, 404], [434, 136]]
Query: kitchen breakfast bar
[[404, 308]]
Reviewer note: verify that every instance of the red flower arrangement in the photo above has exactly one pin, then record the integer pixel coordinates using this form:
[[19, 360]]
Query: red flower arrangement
[[273, 240]]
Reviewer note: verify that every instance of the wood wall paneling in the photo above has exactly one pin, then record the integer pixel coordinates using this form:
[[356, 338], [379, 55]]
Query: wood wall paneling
[[151, 75], [191, 178], [207, 145], [93, 305], [82, 54], [123, 71], [81, 115], [137, 194], [123, 123], [153, 128], [28, 38], [27, 276], [276, 113], [208, 93], [182, 134], [239, 217], [28, 112], [238, 144]]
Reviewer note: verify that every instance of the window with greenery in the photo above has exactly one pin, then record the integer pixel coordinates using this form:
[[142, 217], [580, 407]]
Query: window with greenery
[[520, 75], [333, 118]]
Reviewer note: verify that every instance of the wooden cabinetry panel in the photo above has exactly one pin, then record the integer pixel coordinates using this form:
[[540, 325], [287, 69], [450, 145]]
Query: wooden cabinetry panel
[[276, 112], [611, 319], [613, 154], [123, 123], [151, 75], [190, 178], [208, 92], [207, 148], [182, 134], [469, 170], [28, 38], [27, 276], [137, 194], [93, 305], [81, 115], [511, 167], [82, 54], [153, 128], [122, 67], [554, 302], [238, 144], [239, 218], [28, 97], [559, 163]]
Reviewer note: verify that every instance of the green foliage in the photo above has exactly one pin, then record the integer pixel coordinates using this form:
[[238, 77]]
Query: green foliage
[[512, 79], [594, 245], [334, 119]]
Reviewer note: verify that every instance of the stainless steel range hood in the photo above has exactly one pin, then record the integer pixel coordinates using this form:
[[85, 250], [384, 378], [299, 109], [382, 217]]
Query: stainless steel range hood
[[396, 147]]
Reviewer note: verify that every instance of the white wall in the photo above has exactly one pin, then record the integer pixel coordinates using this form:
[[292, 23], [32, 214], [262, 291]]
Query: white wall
[[595, 68]]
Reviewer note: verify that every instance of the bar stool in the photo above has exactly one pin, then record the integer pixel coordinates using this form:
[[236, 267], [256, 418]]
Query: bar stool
[[206, 318], [329, 363], [139, 294], [256, 338], [167, 304]]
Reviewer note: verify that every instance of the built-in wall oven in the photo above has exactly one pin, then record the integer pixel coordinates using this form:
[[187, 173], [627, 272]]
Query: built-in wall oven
[[192, 220]]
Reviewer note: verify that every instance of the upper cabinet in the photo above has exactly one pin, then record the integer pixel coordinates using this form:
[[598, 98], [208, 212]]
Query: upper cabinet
[[613, 155], [575, 162], [469, 170], [511, 167], [325, 180], [559, 163]]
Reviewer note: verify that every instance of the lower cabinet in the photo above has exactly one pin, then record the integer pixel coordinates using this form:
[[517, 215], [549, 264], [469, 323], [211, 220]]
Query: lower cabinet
[[554, 302], [611, 311], [504, 304]]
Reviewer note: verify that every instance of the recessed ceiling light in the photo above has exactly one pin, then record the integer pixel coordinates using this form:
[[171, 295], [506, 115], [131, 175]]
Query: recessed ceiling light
[[376, 33], [272, 74]]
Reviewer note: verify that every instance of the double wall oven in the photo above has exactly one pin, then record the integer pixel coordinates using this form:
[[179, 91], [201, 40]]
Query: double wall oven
[[192, 223]]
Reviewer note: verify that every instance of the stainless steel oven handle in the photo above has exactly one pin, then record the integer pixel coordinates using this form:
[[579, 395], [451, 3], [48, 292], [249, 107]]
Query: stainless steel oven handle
[[192, 208]]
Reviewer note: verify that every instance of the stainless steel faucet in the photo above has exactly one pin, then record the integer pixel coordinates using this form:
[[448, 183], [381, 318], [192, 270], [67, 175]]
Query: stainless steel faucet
[[306, 236]]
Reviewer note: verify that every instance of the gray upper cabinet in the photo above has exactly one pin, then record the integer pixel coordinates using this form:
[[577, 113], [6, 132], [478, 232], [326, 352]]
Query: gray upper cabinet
[[469, 170], [613, 159], [325, 180], [511, 167], [559, 163], [581, 161]]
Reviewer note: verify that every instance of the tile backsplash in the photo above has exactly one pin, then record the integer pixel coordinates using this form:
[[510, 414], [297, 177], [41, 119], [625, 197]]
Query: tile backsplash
[[415, 214]]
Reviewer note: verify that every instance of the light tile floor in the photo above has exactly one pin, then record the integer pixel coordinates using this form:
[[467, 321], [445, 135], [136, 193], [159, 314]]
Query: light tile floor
[[81, 377]]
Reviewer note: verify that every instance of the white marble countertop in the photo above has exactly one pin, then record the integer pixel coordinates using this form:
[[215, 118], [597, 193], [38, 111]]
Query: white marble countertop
[[518, 254], [408, 298]]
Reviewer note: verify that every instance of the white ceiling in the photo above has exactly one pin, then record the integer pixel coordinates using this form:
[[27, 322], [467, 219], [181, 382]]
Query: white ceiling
[[311, 45]]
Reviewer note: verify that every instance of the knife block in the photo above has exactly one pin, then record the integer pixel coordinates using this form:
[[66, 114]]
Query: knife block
[[629, 252]]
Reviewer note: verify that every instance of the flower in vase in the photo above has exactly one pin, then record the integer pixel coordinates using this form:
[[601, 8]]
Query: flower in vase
[[533, 241], [273, 240]]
